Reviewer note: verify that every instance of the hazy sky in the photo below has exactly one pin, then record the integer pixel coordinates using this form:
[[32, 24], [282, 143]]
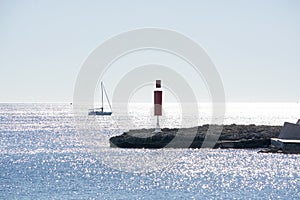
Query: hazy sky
[[254, 44]]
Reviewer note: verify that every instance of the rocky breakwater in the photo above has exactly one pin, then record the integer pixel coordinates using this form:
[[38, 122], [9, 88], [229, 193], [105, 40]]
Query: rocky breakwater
[[232, 136]]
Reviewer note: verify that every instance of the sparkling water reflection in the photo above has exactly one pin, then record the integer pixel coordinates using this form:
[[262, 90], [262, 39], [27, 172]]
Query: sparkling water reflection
[[43, 156]]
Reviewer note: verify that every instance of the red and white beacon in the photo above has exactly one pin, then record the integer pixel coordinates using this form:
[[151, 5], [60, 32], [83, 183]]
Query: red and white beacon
[[157, 104]]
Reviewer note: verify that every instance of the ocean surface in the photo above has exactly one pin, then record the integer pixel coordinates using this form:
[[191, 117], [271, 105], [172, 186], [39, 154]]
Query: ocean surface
[[47, 153]]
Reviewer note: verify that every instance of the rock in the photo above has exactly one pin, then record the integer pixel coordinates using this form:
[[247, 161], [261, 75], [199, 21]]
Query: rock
[[270, 149], [232, 136]]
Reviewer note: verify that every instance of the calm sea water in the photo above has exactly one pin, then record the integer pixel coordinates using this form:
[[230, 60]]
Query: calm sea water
[[47, 154]]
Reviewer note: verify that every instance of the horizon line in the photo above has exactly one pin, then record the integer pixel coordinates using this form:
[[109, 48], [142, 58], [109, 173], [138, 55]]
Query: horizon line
[[68, 102]]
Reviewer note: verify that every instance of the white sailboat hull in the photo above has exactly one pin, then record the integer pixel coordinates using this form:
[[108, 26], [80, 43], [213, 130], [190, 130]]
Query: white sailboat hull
[[96, 112]]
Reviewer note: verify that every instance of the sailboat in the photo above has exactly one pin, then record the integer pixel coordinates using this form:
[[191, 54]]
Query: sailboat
[[100, 111]]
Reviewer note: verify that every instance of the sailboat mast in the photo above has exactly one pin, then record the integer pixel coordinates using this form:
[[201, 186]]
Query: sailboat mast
[[107, 97], [102, 94]]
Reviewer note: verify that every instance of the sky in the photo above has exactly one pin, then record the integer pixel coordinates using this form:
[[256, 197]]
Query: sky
[[255, 45]]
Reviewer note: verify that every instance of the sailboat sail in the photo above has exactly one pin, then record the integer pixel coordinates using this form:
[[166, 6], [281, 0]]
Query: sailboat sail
[[100, 111]]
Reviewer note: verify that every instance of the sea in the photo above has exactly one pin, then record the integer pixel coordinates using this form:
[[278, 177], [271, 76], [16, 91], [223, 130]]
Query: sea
[[47, 152]]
